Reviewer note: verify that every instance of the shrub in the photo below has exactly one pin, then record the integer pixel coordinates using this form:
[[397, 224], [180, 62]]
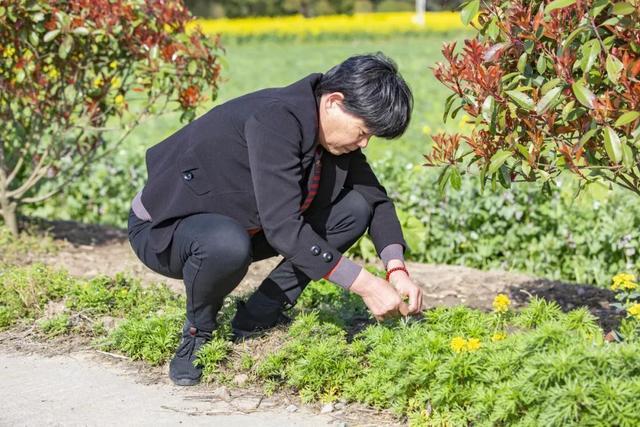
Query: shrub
[[72, 70], [551, 86]]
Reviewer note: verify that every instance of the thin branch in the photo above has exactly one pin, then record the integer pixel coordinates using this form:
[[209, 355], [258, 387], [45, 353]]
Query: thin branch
[[38, 172], [15, 171]]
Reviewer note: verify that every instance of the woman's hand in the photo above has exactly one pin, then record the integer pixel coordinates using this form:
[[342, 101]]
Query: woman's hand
[[401, 281], [379, 296]]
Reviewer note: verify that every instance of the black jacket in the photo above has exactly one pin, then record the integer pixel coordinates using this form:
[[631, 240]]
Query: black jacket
[[251, 158]]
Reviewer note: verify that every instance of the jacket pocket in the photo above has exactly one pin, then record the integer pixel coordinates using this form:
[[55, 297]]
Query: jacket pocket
[[193, 174]]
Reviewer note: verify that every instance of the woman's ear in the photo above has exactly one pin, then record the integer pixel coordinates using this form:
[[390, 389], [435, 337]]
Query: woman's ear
[[334, 99]]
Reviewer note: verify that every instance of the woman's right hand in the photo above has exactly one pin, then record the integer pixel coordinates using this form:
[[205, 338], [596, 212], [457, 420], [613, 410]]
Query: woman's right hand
[[379, 296]]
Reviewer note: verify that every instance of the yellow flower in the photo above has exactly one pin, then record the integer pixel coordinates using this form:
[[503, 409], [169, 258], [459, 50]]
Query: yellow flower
[[501, 303], [98, 82], [8, 52], [297, 25], [113, 65], [119, 100], [498, 336], [458, 344], [426, 129], [51, 71], [634, 311], [624, 281], [473, 344], [116, 82]]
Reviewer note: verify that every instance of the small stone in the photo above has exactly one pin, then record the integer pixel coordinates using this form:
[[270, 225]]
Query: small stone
[[222, 393], [240, 379], [246, 403], [292, 408], [580, 291], [339, 405], [327, 408]]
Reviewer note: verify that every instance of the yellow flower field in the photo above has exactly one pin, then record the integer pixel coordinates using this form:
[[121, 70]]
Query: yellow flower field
[[364, 23]]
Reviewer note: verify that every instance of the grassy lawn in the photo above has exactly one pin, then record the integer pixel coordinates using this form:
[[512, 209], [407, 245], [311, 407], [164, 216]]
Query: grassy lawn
[[260, 64]]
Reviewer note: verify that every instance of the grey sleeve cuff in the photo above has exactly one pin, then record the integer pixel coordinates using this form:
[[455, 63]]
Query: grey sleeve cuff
[[392, 251], [139, 209], [345, 273]]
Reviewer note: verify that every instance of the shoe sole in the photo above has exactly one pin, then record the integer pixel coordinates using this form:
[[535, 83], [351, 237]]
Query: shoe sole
[[185, 381]]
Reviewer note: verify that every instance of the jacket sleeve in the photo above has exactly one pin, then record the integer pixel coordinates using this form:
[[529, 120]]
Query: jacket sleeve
[[274, 138], [385, 227]]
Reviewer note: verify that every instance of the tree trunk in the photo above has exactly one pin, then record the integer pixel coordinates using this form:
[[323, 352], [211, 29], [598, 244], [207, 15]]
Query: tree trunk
[[9, 214]]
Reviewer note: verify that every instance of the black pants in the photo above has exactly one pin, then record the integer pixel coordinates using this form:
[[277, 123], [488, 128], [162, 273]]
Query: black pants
[[212, 254]]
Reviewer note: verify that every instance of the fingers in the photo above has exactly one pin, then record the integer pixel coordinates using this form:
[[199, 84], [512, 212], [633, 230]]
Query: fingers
[[403, 308]]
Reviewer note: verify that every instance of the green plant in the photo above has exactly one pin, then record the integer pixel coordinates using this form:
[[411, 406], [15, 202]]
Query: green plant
[[70, 72], [57, 325], [550, 87]]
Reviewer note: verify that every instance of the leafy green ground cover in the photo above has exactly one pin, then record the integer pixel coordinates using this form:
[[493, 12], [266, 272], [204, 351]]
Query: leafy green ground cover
[[454, 366]]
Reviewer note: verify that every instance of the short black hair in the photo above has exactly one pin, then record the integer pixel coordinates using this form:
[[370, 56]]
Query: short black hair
[[373, 90]]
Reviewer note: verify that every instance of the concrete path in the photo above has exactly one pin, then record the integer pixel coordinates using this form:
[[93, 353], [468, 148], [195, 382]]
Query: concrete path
[[78, 390]]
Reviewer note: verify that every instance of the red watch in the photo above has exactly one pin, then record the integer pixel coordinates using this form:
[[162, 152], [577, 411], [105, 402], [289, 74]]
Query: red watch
[[391, 270]]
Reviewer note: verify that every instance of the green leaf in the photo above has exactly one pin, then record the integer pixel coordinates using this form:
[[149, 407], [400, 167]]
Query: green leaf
[[33, 38], [81, 31], [447, 106], [612, 145], [522, 62], [65, 47], [455, 179], [541, 64], [590, 52], [587, 136], [566, 42], [50, 35], [498, 160], [567, 109], [504, 177], [549, 85], [558, 4], [444, 178], [627, 156], [548, 99], [192, 67], [598, 6], [622, 8], [627, 118], [488, 107], [583, 94], [522, 99], [469, 11], [614, 67]]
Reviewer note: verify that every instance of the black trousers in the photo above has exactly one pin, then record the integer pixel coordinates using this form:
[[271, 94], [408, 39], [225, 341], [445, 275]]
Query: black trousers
[[211, 253]]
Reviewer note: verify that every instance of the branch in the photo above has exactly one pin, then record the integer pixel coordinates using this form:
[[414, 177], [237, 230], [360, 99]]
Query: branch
[[36, 175]]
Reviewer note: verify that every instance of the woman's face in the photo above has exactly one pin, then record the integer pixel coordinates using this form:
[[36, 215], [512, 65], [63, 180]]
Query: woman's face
[[340, 131]]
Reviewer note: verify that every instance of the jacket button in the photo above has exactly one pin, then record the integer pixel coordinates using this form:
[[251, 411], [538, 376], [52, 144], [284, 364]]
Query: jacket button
[[188, 176], [327, 257], [315, 250]]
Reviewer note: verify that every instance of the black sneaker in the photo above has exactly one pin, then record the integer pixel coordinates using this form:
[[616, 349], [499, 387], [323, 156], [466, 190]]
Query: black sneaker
[[246, 325], [182, 369]]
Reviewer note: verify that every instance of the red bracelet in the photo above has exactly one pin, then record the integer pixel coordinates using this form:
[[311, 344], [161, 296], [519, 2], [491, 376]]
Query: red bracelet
[[403, 268]]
